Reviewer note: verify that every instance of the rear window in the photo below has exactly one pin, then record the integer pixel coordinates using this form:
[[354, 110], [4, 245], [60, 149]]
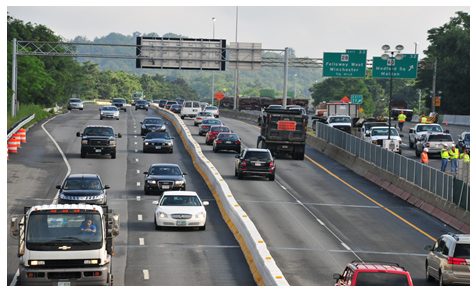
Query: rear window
[[381, 279], [118, 101], [442, 137], [214, 128], [257, 155], [75, 100], [433, 128], [462, 250]]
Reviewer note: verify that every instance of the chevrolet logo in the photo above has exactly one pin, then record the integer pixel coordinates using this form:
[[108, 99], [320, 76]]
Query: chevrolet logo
[[64, 247]]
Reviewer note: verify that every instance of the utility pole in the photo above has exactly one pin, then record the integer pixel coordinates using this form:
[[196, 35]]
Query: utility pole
[[433, 86], [14, 79]]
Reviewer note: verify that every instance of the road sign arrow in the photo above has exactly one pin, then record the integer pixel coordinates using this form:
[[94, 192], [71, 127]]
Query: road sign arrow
[[411, 67]]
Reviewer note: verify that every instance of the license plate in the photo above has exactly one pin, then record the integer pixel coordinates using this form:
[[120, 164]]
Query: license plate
[[181, 223], [257, 164], [165, 187], [439, 145], [285, 146], [153, 130], [229, 142], [64, 283], [158, 147], [98, 150]]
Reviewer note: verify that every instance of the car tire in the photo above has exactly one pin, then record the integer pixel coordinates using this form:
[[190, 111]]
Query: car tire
[[240, 175], [235, 173], [100, 118], [215, 149], [83, 154], [429, 278], [117, 118], [113, 155], [144, 151], [155, 223], [69, 109], [417, 153], [411, 145], [272, 177], [202, 227], [81, 109], [146, 191], [195, 124], [441, 279], [135, 109], [171, 151]]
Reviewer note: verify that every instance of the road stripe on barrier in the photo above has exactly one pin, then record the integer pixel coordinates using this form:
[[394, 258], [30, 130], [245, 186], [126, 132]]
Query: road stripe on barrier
[[255, 273], [375, 202]]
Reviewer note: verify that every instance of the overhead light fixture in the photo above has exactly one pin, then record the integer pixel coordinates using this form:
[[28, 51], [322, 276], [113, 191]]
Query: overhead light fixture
[[399, 47], [386, 47]]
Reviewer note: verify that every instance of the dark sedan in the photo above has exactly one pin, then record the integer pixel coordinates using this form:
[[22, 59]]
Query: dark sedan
[[254, 161], [163, 177], [158, 142], [141, 104], [176, 108], [152, 124], [464, 141], [169, 104], [82, 188], [227, 141], [206, 124], [162, 103]]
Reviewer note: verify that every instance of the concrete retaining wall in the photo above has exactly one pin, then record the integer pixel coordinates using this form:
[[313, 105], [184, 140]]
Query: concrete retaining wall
[[261, 263], [450, 119]]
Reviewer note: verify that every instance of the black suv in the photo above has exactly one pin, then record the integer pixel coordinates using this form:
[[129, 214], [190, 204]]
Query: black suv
[[152, 124], [121, 104], [141, 104], [254, 161], [164, 177], [162, 103], [82, 188], [98, 140]]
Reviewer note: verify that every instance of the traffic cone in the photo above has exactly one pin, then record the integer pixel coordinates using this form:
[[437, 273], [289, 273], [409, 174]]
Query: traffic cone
[[7, 152], [446, 123], [16, 136], [22, 133], [12, 148]]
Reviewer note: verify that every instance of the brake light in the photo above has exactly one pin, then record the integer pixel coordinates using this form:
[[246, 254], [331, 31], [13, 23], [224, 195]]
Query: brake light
[[427, 144], [456, 261], [271, 165], [238, 142], [219, 141], [243, 164]]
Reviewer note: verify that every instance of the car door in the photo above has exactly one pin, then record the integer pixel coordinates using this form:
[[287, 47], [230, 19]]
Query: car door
[[436, 256]]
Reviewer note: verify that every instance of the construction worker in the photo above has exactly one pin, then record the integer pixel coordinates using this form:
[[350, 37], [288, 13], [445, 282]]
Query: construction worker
[[464, 156], [401, 118], [444, 154], [423, 119], [425, 157], [454, 154]]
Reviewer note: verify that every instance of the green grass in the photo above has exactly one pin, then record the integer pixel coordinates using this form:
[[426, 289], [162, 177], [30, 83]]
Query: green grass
[[25, 111]]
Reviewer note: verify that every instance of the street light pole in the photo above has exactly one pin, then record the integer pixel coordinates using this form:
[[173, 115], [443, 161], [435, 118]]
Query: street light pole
[[295, 87], [212, 76]]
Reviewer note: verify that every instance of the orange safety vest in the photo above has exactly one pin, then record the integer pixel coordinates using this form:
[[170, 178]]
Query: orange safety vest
[[424, 158]]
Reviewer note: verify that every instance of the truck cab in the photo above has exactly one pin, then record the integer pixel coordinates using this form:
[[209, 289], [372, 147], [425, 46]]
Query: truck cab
[[378, 135], [65, 244], [341, 122]]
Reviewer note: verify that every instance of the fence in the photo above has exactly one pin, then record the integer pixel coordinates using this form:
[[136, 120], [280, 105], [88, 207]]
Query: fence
[[441, 184]]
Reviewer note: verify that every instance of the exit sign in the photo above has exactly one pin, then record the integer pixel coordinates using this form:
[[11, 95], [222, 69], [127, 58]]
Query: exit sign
[[357, 99]]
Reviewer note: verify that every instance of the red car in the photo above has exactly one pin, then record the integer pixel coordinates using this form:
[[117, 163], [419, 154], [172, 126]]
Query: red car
[[214, 131], [359, 273]]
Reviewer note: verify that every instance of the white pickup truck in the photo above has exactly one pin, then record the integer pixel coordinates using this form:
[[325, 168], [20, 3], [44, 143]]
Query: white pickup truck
[[379, 135], [420, 129]]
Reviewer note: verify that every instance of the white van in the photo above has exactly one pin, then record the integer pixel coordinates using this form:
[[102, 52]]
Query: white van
[[190, 109]]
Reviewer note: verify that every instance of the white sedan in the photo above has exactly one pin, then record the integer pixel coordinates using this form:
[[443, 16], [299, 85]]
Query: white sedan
[[180, 209], [202, 116], [212, 109]]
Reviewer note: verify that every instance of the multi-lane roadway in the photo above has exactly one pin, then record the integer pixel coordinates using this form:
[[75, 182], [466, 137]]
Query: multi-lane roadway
[[315, 217]]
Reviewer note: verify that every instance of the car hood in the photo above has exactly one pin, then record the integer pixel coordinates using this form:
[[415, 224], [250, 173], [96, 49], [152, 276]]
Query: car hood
[[385, 137], [157, 140], [153, 125], [165, 177], [340, 123], [81, 192], [181, 209], [109, 112]]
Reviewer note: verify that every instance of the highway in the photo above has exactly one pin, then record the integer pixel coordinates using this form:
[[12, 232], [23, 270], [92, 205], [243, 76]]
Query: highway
[[315, 217]]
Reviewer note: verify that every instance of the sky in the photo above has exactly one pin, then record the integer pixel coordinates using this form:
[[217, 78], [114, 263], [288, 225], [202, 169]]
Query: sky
[[309, 30]]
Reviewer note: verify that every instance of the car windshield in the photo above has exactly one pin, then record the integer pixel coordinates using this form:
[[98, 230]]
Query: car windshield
[[169, 170], [118, 101], [82, 184], [257, 155], [75, 101], [228, 136], [173, 200], [442, 137], [381, 279], [98, 131], [219, 129], [467, 137], [61, 228], [433, 128], [109, 108], [163, 135], [142, 102], [208, 114], [340, 119], [153, 121], [212, 122], [275, 107], [383, 131], [211, 108]]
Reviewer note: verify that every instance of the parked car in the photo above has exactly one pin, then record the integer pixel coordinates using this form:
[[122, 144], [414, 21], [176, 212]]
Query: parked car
[[448, 260], [212, 109], [176, 108], [164, 177], [202, 116], [359, 273], [422, 128], [121, 104], [434, 142], [141, 104], [186, 204], [253, 161], [109, 112], [464, 141], [206, 124], [214, 131], [162, 103], [98, 140], [158, 142], [169, 104], [152, 124], [190, 109], [227, 141], [75, 104], [82, 188]]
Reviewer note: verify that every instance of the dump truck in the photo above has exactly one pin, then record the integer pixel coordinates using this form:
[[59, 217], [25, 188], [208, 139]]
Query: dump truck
[[400, 106], [65, 244], [283, 132]]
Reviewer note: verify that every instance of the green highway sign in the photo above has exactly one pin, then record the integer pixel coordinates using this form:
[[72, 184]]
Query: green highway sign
[[352, 63], [404, 68], [357, 99]]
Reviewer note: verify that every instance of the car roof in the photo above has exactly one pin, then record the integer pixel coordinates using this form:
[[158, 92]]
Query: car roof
[[85, 176], [182, 193], [258, 150], [104, 126], [459, 237], [164, 165], [379, 266]]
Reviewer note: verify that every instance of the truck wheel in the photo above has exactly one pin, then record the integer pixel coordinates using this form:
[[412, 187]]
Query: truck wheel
[[146, 191], [272, 177], [113, 155], [411, 145], [83, 154], [240, 175]]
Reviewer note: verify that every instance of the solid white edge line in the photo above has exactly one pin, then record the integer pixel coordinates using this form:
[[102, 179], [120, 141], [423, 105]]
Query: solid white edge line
[[145, 274], [139, 217]]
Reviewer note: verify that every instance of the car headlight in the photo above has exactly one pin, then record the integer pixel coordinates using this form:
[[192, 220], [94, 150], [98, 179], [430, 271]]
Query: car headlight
[[100, 196], [169, 143], [84, 141], [201, 215], [116, 114], [143, 126], [152, 181], [146, 143], [374, 142], [102, 113], [162, 215], [179, 182]]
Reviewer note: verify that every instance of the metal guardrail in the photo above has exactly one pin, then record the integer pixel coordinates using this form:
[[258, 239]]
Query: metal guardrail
[[17, 126], [441, 184]]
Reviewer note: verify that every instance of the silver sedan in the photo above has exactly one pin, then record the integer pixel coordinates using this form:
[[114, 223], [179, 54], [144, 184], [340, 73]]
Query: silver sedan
[[109, 112]]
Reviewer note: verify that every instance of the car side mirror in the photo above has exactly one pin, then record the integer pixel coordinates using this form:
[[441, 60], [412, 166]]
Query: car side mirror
[[411, 130], [143, 137], [100, 110], [401, 135], [146, 173], [446, 131], [428, 247], [172, 137], [185, 173], [155, 202], [336, 276], [141, 122], [58, 186], [205, 203], [106, 187], [78, 134], [237, 156], [119, 135]]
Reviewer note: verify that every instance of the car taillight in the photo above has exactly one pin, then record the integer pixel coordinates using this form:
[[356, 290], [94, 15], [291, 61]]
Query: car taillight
[[244, 164], [219, 141], [198, 118], [456, 261], [271, 165], [238, 142], [427, 144]]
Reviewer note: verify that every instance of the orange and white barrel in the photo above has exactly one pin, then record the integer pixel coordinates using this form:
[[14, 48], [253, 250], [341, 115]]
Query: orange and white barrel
[[22, 133], [16, 136], [12, 146]]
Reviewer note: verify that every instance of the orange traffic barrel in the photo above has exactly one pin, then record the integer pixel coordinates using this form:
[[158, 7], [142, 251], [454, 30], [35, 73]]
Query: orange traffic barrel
[[12, 147], [7, 152], [16, 136], [22, 133]]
